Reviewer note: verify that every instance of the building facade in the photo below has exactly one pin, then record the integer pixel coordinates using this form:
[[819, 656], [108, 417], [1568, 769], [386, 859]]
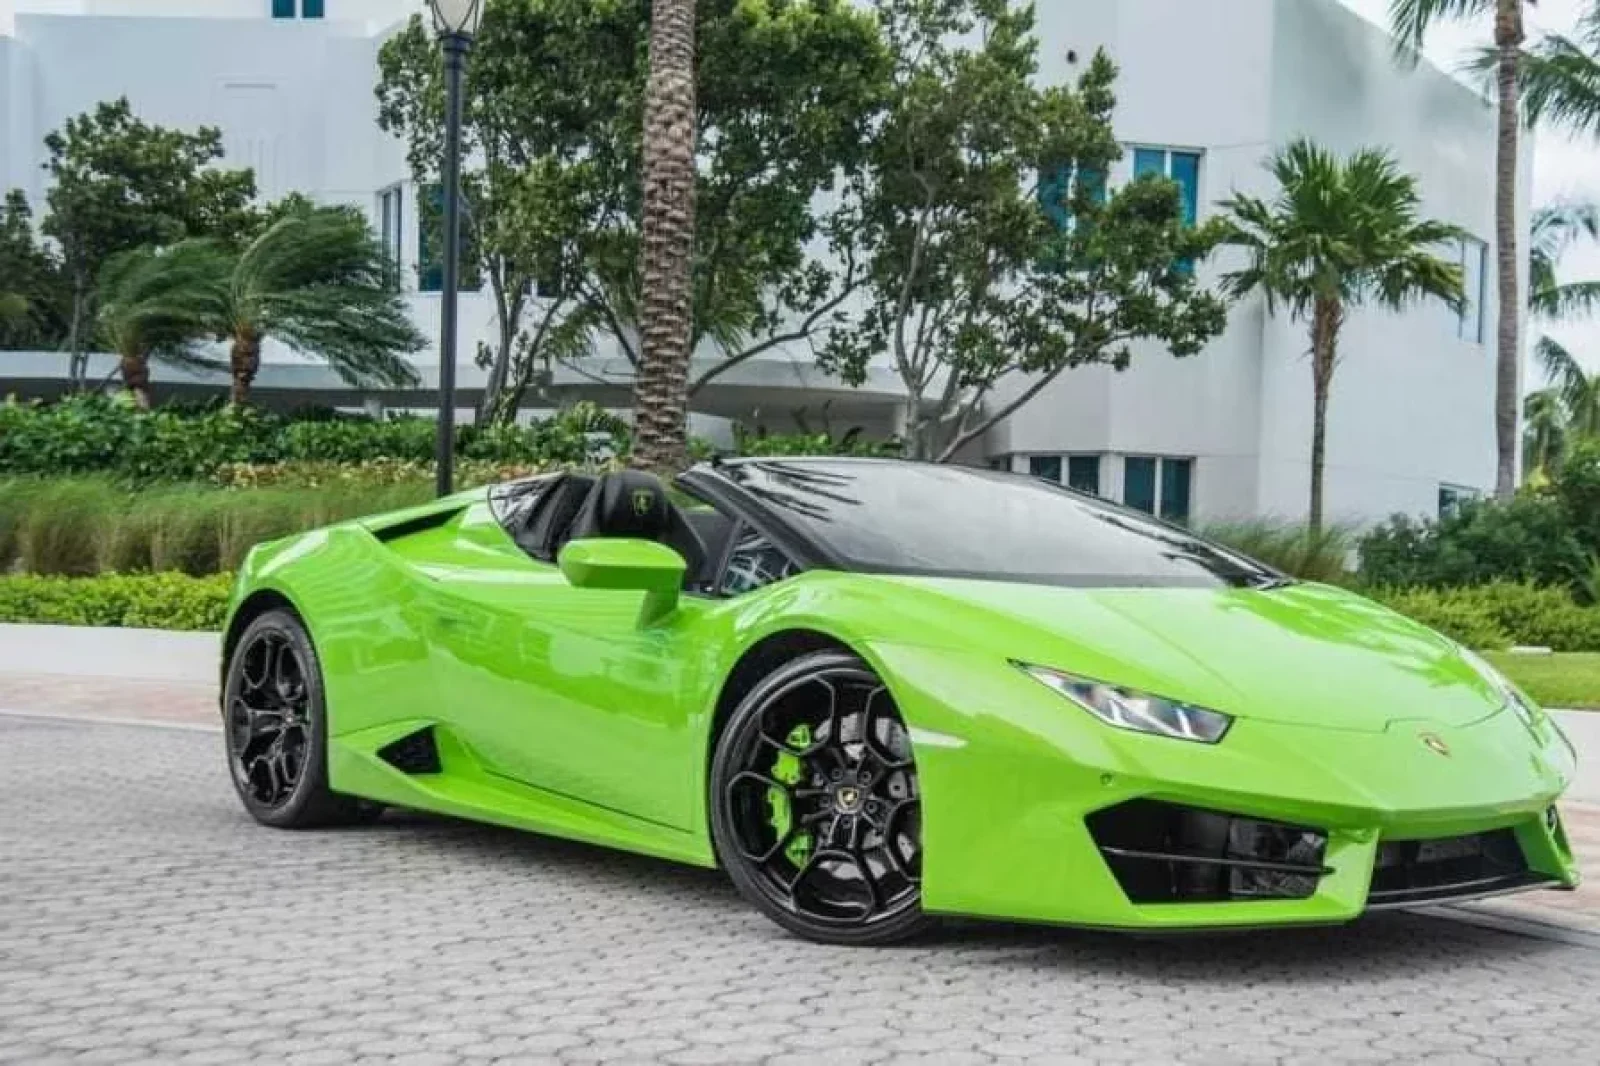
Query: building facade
[[1208, 89]]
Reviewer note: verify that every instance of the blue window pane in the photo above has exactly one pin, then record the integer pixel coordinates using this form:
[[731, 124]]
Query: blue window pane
[[1149, 161], [1046, 466], [1083, 473], [1176, 475], [1186, 172], [1139, 484], [1095, 181], [1053, 194], [311, 9], [283, 9]]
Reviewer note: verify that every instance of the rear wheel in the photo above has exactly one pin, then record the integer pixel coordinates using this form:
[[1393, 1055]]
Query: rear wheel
[[815, 805], [276, 729]]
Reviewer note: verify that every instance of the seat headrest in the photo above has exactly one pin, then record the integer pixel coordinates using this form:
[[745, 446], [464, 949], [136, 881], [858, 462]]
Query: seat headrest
[[629, 503]]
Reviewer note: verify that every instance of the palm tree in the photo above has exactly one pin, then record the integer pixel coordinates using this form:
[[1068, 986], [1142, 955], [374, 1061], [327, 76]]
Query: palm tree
[[152, 306], [1340, 233], [1411, 20], [1556, 228], [1559, 78], [1544, 433], [316, 280], [1565, 411], [667, 240]]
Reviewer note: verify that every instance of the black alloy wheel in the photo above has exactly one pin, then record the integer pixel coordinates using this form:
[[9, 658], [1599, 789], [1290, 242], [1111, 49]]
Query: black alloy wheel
[[815, 804], [275, 728]]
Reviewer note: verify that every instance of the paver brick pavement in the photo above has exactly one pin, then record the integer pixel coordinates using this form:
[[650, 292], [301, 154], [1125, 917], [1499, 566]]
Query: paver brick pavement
[[144, 918]]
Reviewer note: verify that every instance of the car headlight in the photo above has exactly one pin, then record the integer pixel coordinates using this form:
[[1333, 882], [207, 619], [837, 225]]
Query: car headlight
[[1138, 712]]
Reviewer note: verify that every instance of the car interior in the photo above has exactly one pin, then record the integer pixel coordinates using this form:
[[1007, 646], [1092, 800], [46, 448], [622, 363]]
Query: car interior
[[626, 503]]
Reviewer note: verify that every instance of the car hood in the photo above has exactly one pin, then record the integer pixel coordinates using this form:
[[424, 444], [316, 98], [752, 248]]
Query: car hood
[[1303, 654]]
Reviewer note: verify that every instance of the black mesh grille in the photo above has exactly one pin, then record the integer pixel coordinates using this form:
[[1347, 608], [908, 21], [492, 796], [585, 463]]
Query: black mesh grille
[[415, 753], [1423, 871], [1168, 853]]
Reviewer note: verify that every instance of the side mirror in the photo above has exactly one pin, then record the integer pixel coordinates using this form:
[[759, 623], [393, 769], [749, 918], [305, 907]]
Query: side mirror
[[620, 564]]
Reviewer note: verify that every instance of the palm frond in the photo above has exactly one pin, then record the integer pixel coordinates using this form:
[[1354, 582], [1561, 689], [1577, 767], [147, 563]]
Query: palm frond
[[1410, 20], [1560, 82]]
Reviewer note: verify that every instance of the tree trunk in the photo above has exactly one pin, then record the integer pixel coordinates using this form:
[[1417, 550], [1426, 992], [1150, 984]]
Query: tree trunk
[[244, 361], [1326, 318], [78, 359], [135, 369], [1508, 37], [660, 397]]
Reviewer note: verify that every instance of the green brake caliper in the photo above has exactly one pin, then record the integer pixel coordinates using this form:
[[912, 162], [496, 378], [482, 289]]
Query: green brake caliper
[[787, 769]]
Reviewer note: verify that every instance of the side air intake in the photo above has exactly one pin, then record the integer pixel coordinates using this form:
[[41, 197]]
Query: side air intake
[[415, 753]]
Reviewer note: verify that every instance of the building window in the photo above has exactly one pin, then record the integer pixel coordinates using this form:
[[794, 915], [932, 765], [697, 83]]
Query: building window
[[1083, 473], [1159, 486], [391, 222], [311, 9], [430, 245], [1182, 167], [1045, 466], [1474, 257], [1055, 192], [283, 9], [1452, 497]]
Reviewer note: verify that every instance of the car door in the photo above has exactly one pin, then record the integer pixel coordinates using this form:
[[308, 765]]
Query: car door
[[562, 688]]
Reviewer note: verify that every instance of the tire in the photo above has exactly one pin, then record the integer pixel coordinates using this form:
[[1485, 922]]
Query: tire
[[815, 810], [275, 729]]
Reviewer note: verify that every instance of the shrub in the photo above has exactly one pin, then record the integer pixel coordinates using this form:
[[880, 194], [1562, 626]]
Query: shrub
[[97, 435], [1501, 613], [165, 601], [851, 443], [77, 526], [1291, 547], [1529, 539]]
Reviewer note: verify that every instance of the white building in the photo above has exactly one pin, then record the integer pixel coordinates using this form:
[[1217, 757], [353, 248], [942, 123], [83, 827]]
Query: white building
[[1208, 89]]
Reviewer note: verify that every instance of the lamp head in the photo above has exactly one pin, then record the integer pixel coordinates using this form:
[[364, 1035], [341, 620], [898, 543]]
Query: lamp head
[[456, 18]]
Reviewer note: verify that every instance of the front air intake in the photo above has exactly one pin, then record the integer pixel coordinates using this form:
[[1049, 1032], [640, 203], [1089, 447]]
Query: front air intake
[[1168, 853], [1414, 872]]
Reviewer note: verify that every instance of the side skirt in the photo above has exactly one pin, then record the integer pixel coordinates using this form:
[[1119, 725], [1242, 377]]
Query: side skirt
[[463, 788]]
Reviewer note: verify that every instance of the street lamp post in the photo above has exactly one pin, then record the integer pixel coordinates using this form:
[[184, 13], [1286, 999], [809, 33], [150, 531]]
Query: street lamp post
[[456, 23]]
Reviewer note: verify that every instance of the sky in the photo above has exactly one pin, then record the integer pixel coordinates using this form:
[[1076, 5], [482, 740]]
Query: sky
[[1562, 167]]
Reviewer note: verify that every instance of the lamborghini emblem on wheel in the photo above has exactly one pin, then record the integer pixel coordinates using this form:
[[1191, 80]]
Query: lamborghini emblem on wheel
[[1435, 743], [642, 499]]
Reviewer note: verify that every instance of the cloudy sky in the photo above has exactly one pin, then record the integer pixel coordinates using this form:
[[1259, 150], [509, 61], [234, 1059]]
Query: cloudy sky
[[1562, 167]]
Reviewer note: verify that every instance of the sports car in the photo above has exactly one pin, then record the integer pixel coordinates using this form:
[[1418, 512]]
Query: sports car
[[876, 692]]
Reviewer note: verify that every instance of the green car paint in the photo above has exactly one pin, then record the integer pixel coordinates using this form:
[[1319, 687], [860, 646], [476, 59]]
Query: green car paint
[[581, 700]]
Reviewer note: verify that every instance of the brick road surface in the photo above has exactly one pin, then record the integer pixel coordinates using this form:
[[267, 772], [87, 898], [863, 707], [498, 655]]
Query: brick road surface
[[143, 917]]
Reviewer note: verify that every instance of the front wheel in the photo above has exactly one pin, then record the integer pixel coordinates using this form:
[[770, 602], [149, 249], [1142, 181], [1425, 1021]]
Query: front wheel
[[815, 805], [275, 727]]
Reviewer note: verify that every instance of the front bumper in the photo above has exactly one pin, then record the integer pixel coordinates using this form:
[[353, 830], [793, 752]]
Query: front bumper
[[1007, 799]]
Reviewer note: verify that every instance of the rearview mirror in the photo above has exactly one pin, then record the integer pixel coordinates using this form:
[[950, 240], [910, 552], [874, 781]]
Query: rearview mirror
[[622, 563]]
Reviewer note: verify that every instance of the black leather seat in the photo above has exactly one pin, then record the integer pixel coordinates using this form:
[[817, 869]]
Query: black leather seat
[[631, 503]]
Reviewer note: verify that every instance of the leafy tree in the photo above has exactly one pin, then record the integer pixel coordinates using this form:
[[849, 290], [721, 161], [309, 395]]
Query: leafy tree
[[119, 184], [315, 280], [33, 297], [553, 184], [150, 306], [666, 245], [1340, 233], [993, 253], [1411, 20], [1569, 409]]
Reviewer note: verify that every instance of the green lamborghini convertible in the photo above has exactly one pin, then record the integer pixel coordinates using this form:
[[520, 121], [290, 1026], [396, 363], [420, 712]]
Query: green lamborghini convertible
[[876, 692]]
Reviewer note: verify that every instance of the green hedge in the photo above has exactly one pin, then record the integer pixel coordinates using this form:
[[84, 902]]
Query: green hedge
[[154, 601], [96, 435], [1501, 614]]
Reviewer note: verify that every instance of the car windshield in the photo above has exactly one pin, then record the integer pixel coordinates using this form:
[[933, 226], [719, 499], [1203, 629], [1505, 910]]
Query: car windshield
[[926, 519]]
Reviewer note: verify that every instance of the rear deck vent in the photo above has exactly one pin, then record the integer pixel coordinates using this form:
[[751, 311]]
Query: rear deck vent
[[420, 524], [415, 753], [1168, 853]]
